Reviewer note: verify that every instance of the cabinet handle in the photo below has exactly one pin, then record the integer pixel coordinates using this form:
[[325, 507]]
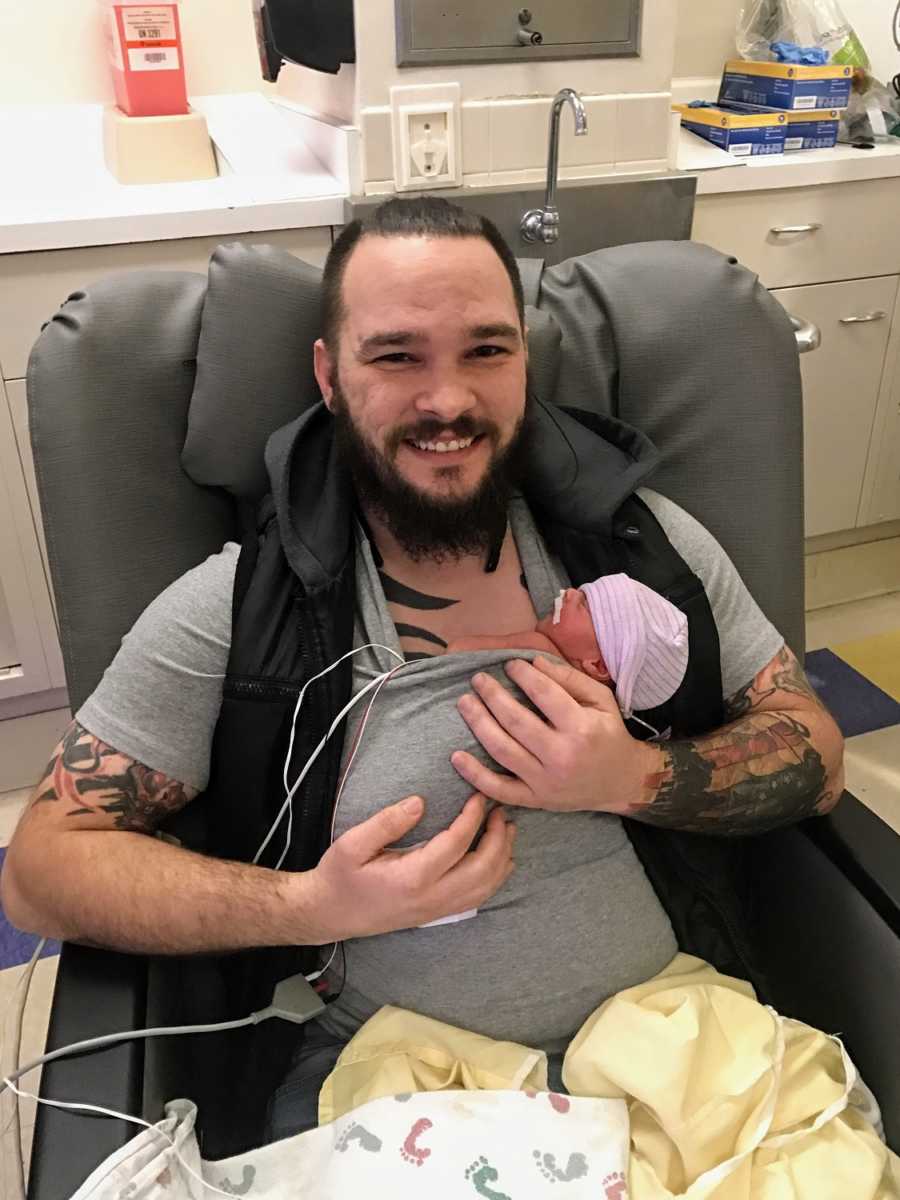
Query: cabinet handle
[[878, 315], [779, 230]]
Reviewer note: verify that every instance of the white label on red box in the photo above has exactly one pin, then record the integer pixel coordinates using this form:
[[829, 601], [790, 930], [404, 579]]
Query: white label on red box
[[154, 60], [149, 24]]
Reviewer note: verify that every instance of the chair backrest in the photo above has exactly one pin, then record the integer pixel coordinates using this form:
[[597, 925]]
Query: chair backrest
[[152, 394]]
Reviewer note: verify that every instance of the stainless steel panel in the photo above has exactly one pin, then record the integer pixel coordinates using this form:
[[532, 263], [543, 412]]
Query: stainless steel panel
[[433, 31], [593, 214]]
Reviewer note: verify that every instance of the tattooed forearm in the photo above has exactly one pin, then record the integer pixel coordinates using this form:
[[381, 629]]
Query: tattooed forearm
[[758, 774], [91, 779], [784, 673]]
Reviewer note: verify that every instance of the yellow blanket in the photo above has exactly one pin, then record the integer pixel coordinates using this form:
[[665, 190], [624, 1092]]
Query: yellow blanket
[[727, 1100]]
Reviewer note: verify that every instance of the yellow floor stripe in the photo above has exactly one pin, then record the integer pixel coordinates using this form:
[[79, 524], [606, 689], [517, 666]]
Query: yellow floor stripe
[[878, 658]]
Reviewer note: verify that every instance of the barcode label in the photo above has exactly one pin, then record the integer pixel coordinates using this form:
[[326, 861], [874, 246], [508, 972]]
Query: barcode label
[[741, 148], [154, 60], [805, 102], [794, 143]]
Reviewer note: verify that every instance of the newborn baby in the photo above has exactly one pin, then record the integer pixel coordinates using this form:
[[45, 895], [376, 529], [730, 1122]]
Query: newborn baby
[[616, 630]]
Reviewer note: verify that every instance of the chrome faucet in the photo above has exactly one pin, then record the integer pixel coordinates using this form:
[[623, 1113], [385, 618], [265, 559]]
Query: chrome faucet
[[542, 224]]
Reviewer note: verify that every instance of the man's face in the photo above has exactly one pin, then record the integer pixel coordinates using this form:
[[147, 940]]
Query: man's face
[[430, 355]]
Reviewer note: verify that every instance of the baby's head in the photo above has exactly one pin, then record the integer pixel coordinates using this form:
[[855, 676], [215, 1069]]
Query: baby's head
[[622, 633], [571, 628]]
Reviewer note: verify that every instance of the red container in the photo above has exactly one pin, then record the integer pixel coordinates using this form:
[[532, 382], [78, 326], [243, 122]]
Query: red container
[[147, 59]]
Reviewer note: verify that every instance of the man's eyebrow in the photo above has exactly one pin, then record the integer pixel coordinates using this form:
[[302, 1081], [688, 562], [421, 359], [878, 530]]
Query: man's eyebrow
[[497, 330], [407, 337], [393, 337]]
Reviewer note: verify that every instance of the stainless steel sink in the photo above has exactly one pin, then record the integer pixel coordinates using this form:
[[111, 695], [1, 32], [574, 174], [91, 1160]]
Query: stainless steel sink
[[594, 213]]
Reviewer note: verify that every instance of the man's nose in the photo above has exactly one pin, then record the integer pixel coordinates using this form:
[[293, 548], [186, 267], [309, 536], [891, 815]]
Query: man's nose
[[447, 399]]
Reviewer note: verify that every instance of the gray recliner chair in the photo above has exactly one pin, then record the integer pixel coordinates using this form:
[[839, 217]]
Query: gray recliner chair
[[151, 397]]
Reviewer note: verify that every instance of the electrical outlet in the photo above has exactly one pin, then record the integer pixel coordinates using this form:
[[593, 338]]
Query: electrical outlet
[[425, 126], [428, 145]]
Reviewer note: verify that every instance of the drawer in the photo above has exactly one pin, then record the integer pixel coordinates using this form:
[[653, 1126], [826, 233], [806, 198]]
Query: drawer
[[858, 232], [32, 286], [842, 381]]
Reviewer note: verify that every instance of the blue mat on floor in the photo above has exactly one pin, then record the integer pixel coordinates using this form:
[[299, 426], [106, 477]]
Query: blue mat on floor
[[17, 948], [855, 702]]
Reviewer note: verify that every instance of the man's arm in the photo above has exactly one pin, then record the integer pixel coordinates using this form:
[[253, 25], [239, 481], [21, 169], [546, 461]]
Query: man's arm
[[81, 867], [780, 759]]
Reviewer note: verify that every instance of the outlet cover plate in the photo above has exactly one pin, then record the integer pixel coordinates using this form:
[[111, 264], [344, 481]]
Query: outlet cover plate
[[410, 101]]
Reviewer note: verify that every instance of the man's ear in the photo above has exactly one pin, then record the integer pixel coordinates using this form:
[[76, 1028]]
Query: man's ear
[[324, 367]]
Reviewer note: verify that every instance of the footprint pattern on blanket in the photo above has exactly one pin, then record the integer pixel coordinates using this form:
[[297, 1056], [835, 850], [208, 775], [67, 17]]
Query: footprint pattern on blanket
[[614, 1186], [560, 1104], [576, 1168], [356, 1133], [412, 1153], [239, 1189], [482, 1175]]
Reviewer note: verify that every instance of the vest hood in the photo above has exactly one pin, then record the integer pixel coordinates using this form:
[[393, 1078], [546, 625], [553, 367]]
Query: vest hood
[[580, 468]]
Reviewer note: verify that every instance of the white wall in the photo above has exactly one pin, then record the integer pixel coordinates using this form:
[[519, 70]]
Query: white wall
[[53, 51], [705, 35]]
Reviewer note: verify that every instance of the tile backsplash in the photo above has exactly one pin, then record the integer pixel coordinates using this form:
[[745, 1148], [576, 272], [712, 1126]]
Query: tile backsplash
[[505, 140]]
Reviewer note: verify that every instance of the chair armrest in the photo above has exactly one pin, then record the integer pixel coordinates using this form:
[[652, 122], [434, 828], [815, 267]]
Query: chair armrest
[[831, 957], [97, 992], [866, 849]]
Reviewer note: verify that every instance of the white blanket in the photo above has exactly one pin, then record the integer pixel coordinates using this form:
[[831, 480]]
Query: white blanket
[[494, 1145]]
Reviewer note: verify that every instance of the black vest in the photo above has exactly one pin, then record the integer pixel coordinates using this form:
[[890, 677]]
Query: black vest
[[284, 635]]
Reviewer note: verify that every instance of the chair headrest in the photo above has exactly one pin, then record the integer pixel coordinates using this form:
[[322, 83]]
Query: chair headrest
[[255, 362]]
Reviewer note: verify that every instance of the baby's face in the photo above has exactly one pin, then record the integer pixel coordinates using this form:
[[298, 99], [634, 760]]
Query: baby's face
[[575, 636]]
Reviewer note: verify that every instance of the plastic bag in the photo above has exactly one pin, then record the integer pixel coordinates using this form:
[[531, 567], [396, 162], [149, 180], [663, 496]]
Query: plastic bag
[[820, 23], [874, 112]]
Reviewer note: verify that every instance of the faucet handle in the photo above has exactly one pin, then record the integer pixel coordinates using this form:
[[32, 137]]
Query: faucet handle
[[540, 225]]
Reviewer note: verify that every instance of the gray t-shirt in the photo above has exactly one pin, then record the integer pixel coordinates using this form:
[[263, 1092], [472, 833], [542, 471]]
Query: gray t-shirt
[[551, 945]]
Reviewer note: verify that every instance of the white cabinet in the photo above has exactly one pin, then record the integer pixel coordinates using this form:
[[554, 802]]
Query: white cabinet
[[841, 386], [832, 254], [881, 493], [31, 659], [808, 234]]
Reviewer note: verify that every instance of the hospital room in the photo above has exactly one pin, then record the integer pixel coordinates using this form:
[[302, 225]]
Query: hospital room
[[450, 599]]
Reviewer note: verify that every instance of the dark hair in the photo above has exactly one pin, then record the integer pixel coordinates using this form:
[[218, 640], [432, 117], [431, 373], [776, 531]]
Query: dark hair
[[420, 216]]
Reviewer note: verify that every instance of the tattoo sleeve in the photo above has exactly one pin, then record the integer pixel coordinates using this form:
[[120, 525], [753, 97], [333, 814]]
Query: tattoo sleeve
[[90, 779], [777, 762]]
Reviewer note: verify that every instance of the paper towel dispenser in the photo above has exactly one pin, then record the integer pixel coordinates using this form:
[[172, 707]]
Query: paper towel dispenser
[[311, 33], [473, 31]]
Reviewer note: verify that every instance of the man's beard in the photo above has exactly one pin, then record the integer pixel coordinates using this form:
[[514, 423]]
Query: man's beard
[[429, 527]]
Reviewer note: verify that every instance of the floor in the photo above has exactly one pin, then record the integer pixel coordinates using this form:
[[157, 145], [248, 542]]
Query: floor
[[864, 636]]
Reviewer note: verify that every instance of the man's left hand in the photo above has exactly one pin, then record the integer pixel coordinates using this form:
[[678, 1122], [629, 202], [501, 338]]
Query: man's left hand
[[581, 758]]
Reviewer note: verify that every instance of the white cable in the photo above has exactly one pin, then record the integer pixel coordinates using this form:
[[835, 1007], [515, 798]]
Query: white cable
[[110, 1039], [111, 1112], [288, 803], [11, 1134], [290, 791]]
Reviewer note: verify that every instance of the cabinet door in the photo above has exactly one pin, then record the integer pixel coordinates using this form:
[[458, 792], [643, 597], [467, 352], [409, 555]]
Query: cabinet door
[[25, 603], [881, 493], [841, 383]]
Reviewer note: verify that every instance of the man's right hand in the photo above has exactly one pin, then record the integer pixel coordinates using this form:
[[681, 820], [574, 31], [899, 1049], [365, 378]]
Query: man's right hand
[[362, 888]]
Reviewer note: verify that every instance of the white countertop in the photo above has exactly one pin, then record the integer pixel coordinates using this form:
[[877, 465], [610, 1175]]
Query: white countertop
[[58, 193], [805, 168]]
